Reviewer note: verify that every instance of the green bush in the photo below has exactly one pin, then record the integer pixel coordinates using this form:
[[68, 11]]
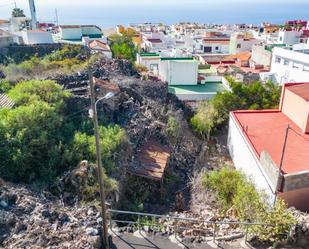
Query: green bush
[[112, 138], [214, 114], [235, 191], [38, 141]]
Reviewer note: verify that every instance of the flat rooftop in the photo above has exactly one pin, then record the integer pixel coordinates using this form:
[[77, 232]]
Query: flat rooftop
[[206, 88], [265, 130]]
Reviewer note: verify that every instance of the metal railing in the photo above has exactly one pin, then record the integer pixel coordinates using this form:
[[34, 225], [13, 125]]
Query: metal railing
[[176, 219]]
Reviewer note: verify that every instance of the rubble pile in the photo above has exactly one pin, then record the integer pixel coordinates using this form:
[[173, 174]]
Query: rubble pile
[[32, 220], [300, 232]]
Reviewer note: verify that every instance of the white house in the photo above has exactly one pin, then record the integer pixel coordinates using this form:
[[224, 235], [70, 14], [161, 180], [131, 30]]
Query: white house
[[76, 32], [289, 37], [36, 37], [150, 60], [178, 71], [289, 65], [240, 42], [216, 45]]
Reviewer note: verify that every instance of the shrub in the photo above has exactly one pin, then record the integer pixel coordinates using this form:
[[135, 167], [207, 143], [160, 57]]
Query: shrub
[[214, 114], [173, 127], [235, 191]]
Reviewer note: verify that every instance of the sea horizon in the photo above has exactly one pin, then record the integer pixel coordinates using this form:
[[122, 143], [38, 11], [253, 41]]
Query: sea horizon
[[107, 16]]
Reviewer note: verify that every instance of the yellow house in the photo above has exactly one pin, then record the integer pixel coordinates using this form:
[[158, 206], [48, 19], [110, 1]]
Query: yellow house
[[120, 29]]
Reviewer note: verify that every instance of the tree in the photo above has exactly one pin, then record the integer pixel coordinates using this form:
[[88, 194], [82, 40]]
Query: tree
[[123, 47], [215, 113], [17, 12]]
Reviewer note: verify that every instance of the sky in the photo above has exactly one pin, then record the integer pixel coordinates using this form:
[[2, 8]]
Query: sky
[[111, 12]]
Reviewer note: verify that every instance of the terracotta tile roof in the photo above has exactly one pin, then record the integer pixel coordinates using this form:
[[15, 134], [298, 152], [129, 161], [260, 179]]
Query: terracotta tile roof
[[219, 41], [2, 21], [5, 101], [301, 90], [154, 158], [243, 56], [97, 43]]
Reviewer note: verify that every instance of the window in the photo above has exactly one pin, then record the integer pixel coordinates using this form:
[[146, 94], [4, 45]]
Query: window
[[207, 49], [297, 65], [217, 48], [306, 68], [154, 68], [238, 45], [286, 62], [277, 59]]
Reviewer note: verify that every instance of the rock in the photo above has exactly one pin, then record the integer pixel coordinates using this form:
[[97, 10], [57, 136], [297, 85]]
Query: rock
[[92, 231], [45, 213], [63, 217], [94, 241], [4, 204]]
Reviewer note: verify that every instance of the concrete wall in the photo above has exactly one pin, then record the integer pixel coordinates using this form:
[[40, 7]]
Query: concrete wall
[[91, 30], [177, 72], [245, 159], [297, 198], [260, 55], [151, 63], [288, 37], [296, 108], [6, 41], [33, 37], [291, 67]]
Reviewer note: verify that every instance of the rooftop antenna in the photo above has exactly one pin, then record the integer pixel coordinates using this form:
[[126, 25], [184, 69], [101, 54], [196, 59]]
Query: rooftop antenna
[[33, 15], [15, 4]]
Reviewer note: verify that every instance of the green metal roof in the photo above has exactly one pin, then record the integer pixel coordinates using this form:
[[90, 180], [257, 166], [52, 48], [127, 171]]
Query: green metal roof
[[149, 54], [177, 59], [270, 47], [209, 87]]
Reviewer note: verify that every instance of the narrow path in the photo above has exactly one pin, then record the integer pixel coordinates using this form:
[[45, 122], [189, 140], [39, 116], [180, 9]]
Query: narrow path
[[129, 241]]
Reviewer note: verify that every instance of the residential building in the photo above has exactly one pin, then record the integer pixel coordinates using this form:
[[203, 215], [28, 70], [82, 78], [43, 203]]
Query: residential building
[[241, 42], [7, 39], [289, 65], [77, 32], [289, 37], [150, 60], [36, 37], [216, 45], [271, 146], [178, 71], [101, 47], [261, 57]]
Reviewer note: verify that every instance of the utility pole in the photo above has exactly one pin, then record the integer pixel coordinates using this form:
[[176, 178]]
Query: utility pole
[[99, 160], [279, 182], [56, 17]]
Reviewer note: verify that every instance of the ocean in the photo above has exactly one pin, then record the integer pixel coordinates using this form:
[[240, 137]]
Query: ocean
[[110, 15]]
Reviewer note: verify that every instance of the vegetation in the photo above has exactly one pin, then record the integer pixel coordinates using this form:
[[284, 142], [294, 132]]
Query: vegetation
[[173, 127], [123, 47], [39, 139], [65, 60], [235, 191], [214, 114], [17, 12]]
